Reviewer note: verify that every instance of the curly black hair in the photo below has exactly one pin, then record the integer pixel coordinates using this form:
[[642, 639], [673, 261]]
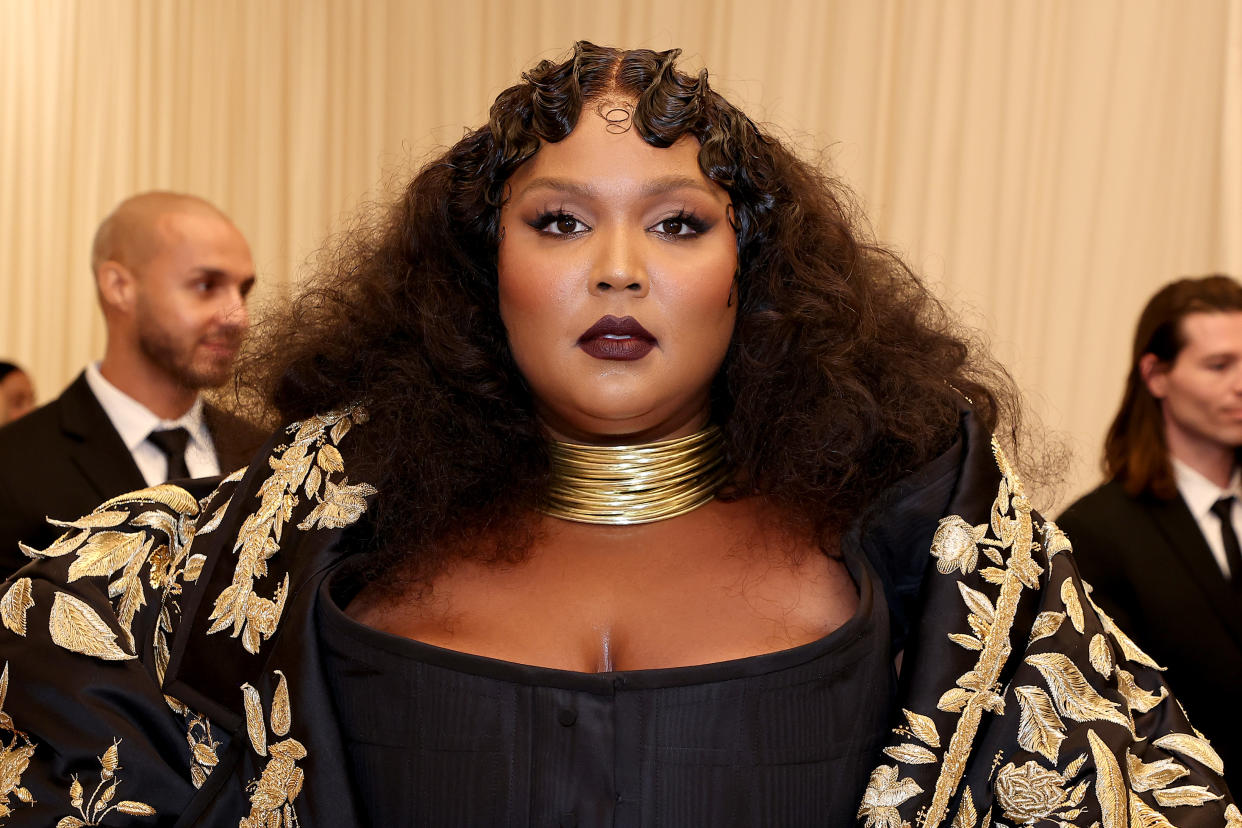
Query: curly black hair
[[843, 375]]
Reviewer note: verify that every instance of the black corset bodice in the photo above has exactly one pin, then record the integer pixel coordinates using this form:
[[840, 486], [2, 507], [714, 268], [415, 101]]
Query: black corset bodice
[[441, 738]]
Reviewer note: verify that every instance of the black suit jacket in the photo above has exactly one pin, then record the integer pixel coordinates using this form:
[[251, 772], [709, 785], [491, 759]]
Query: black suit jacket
[[66, 457], [1153, 571]]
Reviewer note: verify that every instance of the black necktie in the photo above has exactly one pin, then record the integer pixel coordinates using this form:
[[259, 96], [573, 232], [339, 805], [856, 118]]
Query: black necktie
[[1223, 509], [173, 441]]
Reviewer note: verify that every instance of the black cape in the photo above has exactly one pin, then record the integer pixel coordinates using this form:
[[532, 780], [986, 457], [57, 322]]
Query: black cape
[[161, 663]]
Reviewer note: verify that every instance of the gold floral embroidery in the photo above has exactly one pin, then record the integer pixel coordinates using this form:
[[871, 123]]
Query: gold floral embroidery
[[885, 791], [304, 465], [1233, 817], [1031, 792], [955, 544], [14, 756], [280, 782], [94, 809], [977, 690], [203, 755]]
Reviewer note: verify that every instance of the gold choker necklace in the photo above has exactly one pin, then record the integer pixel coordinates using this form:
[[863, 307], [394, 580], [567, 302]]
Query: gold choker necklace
[[620, 485]]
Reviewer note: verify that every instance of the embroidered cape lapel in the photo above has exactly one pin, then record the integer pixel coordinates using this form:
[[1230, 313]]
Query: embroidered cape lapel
[[1022, 703]]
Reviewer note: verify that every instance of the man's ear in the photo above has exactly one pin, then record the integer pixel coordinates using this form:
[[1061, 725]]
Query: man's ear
[[116, 285], [1155, 374]]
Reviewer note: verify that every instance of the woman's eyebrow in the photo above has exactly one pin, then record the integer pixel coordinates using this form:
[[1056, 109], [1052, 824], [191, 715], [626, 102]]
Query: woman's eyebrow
[[655, 187]]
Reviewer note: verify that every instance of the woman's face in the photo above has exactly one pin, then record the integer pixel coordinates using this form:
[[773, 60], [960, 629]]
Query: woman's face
[[616, 271]]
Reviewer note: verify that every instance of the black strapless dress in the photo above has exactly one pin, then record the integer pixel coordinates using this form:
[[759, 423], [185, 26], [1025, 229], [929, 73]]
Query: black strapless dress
[[436, 737]]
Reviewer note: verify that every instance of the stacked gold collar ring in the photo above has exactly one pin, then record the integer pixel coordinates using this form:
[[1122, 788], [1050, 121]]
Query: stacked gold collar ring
[[622, 485]]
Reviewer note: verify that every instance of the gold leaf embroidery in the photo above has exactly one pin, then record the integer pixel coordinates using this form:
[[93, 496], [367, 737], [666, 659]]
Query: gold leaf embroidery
[[105, 553], [95, 520], [255, 727], [954, 545], [1110, 787], [1194, 747], [978, 603], [993, 575], [885, 792], [94, 809], [967, 641], [1185, 795], [954, 700], [1071, 770], [65, 544], [1129, 649], [1040, 729], [174, 497], [923, 728], [1101, 655], [341, 505], [282, 712], [1233, 817], [237, 608], [911, 754], [1073, 608], [78, 628], [280, 782], [1136, 697], [15, 756], [967, 816], [1046, 624], [1074, 696], [203, 756], [1152, 775], [1143, 815], [14, 604]]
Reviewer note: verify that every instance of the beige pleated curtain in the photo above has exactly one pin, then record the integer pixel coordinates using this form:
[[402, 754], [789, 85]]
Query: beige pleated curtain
[[1046, 163]]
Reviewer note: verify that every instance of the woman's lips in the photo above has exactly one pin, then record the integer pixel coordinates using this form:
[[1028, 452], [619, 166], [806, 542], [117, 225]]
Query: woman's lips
[[620, 339]]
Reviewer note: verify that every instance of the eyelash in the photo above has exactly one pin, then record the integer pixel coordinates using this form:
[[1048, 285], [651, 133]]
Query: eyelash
[[684, 217]]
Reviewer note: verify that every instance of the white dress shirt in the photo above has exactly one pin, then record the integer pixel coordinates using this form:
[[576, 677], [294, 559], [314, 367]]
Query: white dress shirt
[[1199, 494], [134, 422]]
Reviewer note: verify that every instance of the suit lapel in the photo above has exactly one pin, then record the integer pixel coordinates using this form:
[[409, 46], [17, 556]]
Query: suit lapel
[[1185, 539], [98, 451]]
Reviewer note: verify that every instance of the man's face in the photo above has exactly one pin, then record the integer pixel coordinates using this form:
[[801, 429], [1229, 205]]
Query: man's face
[[190, 309], [1201, 392]]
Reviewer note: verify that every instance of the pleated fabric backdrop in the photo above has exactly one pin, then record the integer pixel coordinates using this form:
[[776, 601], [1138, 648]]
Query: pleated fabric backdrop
[[1047, 164]]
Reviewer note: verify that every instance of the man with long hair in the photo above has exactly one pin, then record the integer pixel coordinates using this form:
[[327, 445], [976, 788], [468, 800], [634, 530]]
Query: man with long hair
[[1159, 539]]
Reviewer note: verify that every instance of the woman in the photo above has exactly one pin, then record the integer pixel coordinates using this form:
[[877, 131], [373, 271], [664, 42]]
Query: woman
[[618, 460]]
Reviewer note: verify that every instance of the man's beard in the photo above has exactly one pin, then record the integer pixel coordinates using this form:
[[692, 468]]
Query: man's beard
[[177, 361]]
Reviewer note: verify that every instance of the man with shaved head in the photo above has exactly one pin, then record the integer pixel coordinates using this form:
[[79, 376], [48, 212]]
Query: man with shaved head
[[172, 274]]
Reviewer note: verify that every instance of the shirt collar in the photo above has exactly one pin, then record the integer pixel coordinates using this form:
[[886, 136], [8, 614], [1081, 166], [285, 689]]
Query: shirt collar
[[1199, 492], [134, 421]]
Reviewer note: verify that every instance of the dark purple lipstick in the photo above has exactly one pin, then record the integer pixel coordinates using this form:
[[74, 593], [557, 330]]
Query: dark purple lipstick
[[613, 338]]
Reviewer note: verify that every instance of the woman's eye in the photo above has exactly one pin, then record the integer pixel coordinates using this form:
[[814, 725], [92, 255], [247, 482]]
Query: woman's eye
[[559, 224], [678, 226]]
